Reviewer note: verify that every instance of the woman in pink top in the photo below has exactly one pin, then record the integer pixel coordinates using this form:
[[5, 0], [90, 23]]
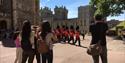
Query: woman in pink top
[[18, 48]]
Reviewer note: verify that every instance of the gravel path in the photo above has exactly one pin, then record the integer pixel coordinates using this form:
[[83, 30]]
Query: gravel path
[[66, 53]]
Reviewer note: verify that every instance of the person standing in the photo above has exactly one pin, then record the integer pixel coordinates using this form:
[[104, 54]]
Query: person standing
[[19, 51], [98, 31], [27, 42], [49, 38], [37, 54]]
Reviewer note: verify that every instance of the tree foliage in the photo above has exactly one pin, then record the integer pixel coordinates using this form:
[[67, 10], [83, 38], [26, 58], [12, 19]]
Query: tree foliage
[[108, 7]]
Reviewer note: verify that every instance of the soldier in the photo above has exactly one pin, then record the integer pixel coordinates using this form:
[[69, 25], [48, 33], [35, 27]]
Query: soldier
[[77, 35], [71, 35]]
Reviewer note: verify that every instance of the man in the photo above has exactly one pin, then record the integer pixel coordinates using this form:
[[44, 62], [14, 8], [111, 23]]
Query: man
[[98, 31], [71, 34]]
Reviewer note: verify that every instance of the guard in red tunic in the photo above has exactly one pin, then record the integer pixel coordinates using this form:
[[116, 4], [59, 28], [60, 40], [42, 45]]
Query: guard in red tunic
[[57, 32], [62, 30], [77, 35], [66, 34], [71, 35]]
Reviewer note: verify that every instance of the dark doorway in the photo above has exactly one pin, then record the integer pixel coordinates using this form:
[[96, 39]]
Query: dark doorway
[[3, 25], [3, 28]]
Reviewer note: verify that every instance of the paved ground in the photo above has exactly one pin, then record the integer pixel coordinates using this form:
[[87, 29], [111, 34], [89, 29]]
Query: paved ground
[[66, 53]]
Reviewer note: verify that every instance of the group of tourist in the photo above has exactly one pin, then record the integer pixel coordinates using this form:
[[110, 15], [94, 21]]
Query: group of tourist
[[27, 40], [26, 43]]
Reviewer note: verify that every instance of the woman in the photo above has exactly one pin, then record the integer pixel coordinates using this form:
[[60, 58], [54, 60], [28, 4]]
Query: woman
[[27, 43], [49, 38], [17, 40]]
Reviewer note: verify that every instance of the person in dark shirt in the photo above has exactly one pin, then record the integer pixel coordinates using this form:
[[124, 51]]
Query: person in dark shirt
[[98, 31]]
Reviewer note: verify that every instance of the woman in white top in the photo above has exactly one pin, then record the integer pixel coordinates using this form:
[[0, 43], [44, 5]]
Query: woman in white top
[[49, 38]]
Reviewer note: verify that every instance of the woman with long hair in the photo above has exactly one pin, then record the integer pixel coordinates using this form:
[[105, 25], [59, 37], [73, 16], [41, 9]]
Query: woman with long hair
[[27, 43], [49, 39]]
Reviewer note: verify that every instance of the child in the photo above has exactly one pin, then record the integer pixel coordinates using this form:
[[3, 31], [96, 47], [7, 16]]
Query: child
[[18, 48]]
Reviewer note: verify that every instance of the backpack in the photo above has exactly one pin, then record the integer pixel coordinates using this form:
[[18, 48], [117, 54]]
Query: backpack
[[42, 46]]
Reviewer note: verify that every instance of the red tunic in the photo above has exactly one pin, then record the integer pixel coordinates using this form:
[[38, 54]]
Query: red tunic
[[57, 32], [77, 34], [66, 33], [62, 31], [71, 33]]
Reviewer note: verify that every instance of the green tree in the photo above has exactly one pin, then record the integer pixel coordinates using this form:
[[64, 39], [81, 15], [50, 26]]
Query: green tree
[[108, 7]]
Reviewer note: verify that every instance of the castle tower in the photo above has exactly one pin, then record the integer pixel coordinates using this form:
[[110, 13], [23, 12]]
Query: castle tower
[[60, 13], [25, 10]]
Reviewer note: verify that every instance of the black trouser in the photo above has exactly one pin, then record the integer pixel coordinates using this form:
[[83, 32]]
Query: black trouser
[[83, 35], [37, 56], [71, 39], [47, 57], [78, 40], [59, 38], [123, 36], [66, 39], [36, 51], [103, 56], [28, 55], [63, 38]]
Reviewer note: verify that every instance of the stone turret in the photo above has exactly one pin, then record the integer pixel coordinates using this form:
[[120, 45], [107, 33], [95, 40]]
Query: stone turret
[[60, 13], [46, 13]]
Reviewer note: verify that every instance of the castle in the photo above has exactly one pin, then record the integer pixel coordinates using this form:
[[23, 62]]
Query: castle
[[60, 13], [59, 17]]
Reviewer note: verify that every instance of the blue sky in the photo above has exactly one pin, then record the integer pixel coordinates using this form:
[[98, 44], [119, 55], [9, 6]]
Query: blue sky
[[72, 6]]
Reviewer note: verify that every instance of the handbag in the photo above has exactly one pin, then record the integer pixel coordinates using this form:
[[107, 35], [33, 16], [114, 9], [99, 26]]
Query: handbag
[[42, 46], [94, 49]]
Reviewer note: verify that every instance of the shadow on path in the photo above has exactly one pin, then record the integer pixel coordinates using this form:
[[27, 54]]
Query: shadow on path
[[84, 47], [81, 46]]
